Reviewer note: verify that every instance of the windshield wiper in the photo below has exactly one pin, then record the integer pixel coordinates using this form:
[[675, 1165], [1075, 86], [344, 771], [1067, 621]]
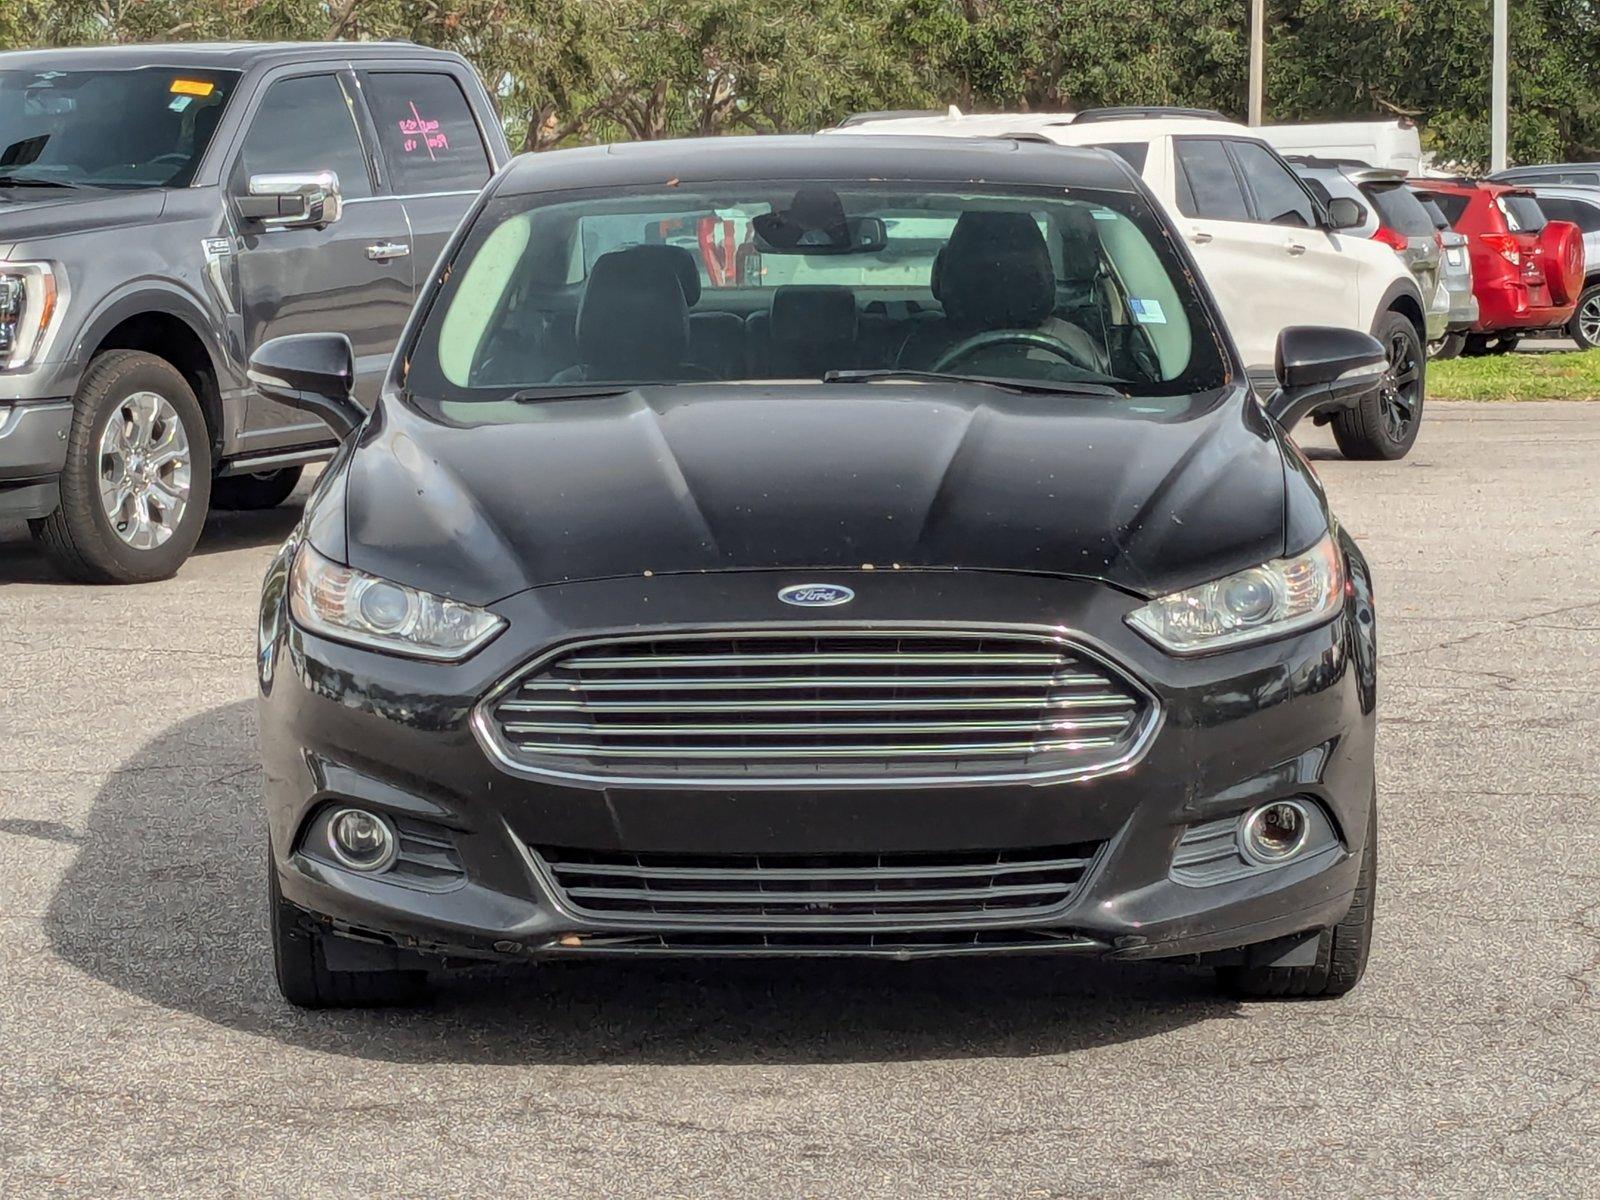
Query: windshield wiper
[[1032, 386], [570, 391], [26, 181]]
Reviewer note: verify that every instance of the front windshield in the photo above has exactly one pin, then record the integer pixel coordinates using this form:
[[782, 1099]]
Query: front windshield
[[752, 280], [146, 127]]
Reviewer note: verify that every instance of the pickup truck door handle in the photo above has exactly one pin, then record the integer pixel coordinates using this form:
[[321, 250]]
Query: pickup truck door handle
[[1294, 247], [384, 251], [1199, 237]]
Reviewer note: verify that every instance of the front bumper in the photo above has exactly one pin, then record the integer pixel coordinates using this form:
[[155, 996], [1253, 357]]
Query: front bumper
[[1290, 718], [33, 449]]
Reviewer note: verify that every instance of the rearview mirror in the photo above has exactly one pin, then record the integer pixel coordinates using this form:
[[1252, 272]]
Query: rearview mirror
[[1319, 365], [314, 372], [781, 233], [302, 199], [1345, 213]]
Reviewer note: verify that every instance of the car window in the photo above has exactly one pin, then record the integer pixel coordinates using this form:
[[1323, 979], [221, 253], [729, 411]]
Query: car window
[[1431, 206], [764, 279], [1399, 209], [1523, 214], [1454, 207], [1280, 200], [1558, 208], [146, 127], [1209, 186], [427, 132], [307, 123], [1133, 153]]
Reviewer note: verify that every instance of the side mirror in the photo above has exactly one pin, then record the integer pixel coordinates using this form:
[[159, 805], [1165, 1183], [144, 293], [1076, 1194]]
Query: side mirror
[[1345, 213], [1320, 365], [308, 199], [314, 372]]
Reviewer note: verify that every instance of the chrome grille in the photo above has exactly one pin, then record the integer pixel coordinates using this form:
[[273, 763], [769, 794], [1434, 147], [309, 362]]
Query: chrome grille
[[773, 705], [788, 890]]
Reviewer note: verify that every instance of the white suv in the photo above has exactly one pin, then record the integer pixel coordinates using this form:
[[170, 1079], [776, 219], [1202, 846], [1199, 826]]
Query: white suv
[[1273, 254]]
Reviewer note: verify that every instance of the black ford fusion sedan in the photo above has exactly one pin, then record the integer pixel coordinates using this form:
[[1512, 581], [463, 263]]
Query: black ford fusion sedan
[[799, 547]]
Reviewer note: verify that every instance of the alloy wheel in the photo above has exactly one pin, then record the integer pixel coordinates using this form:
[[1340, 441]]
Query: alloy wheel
[[144, 470], [1402, 382], [1589, 320]]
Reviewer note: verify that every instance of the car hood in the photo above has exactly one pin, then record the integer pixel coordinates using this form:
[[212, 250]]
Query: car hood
[[29, 214], [1149, 497]]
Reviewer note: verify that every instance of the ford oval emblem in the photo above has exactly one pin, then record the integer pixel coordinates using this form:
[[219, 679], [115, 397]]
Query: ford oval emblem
[[816, 595]]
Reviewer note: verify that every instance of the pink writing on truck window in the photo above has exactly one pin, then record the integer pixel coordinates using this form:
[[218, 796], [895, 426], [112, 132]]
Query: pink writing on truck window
[[416, 130]]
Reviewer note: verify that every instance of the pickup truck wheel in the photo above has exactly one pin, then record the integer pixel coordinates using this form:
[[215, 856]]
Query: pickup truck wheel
[[1584, 328], [302, 971], [137, 481], [1385, 422], [251, 492], [1341, 951]]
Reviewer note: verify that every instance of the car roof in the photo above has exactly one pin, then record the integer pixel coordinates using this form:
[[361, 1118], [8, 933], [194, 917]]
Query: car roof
[[215, 55], [1059, 127], [1587, 192], [995, 161]]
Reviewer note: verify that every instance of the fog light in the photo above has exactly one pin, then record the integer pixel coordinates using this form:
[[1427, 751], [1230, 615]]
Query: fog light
[[1275, 832], [361, 840]]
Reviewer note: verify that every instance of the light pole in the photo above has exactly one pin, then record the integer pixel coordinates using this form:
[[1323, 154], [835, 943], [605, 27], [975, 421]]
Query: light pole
[[1497, 90], [1258, 22]]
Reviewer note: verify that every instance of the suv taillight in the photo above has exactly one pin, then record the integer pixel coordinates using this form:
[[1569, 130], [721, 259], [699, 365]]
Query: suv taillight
[[1505, 245], [1391, 238]]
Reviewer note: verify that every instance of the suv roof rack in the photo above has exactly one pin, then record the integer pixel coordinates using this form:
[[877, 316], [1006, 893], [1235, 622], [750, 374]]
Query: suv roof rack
[[1136, 112], [888, 114]]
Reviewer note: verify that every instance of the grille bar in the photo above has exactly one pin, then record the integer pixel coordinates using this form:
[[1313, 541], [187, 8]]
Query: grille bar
[[779, 703], [789, 891]]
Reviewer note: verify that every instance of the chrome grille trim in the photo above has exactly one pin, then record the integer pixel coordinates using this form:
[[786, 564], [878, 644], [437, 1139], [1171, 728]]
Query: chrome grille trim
[[600, 710], [820, 891]]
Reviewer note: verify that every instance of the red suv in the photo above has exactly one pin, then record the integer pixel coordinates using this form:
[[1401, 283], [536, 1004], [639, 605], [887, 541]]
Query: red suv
[[1526, 271]]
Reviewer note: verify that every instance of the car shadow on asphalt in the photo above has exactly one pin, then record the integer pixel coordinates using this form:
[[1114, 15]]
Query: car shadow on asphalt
[[166, 901]]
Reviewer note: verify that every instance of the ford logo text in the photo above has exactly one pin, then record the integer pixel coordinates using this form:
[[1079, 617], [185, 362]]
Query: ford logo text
[[816, 595]]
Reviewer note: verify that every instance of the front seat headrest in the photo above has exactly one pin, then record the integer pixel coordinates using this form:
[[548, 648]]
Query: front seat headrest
[[675, 258], [633, 323], [996, 272]]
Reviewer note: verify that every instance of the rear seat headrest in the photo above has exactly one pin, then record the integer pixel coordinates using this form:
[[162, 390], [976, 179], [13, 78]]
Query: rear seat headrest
[[675, 258], [802, 313]]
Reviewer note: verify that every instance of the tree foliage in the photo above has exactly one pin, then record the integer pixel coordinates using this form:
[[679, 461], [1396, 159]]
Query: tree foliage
[[568, 71]]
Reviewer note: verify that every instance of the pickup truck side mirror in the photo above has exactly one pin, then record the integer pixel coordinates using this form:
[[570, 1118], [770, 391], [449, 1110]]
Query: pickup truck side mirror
[[1345, 213], [1319, 365], [309, 199], [314, 372]]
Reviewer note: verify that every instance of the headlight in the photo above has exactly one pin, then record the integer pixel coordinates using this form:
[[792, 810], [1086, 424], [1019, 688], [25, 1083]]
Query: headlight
[[1276, 598], [351, 606], [28, 304]]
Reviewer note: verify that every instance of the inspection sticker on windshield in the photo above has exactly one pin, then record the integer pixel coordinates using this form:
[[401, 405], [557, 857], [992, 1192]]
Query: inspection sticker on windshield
[[1146, 312], [192, 87]]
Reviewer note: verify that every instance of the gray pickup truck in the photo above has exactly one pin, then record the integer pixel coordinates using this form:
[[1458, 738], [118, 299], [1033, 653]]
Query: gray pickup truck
[[163, 211]]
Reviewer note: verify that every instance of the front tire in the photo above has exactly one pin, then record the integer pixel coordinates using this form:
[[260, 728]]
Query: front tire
[[1584, 328], [301, 966], [137, 480], [1385, 422], [250, 493], [1342, 951]]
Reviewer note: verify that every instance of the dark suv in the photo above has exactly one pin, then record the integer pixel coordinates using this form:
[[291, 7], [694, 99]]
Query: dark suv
[[167, 209]]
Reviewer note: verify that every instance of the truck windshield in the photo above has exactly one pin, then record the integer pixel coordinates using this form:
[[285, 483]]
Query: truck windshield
[[749, 280], [145, 127]]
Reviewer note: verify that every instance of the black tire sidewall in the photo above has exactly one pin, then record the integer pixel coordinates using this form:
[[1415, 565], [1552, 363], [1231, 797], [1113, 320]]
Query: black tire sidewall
[[1573, 329], [1361, 432], [110, 379]]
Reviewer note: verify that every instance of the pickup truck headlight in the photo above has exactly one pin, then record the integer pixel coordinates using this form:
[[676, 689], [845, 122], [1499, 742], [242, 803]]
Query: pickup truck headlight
[[28, 305], [1277, 598], [347, 605]]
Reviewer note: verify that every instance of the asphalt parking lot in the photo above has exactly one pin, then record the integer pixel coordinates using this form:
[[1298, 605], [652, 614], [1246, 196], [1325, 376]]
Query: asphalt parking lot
[[144, 1049]]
